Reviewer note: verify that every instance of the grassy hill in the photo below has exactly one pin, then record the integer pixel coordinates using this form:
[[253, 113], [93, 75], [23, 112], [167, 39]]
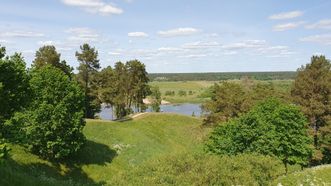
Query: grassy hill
[[320, 175], [112, 147], [153, 148]]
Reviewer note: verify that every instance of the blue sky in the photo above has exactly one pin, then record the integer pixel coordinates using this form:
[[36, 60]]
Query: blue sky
[[173, 35]]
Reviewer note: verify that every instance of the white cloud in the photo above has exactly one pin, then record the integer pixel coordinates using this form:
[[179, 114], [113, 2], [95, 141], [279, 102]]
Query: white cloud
[[82, 34], [137, 34], [245, 45], [201, 45], [286, 15], [178, 32], [322, 24], [23, 34], [45, 43], [114, 53], [194, 56], [94, 6], [321, 39], [169, 49], [287, 26]]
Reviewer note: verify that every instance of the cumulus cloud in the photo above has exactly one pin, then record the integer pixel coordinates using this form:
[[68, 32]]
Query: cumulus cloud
[[178, 32], [137, 34], [287, 26], [322, 24], [286, 15], [321, 39], [95, 6]]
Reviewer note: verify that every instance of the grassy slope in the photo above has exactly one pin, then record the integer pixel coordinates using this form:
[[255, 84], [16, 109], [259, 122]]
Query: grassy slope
[[320, 175], [112, 147]]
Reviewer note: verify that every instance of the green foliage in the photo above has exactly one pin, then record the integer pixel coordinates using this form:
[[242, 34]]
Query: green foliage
[[201, 169], [182, 93], [219, 76], [270, 128], [47, 55], [88, 69], [124, 87], [53, 122], [14, 85], [230, 99], [169, 93], [4, 151], [156, 99], [312, 91]]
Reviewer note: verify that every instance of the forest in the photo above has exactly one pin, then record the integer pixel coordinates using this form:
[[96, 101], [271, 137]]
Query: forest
[[251, 132]]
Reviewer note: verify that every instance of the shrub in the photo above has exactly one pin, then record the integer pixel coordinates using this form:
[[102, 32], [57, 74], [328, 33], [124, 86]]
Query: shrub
[[270, 128], [182, 93], [4, 151], [169, 93], [203, 169]]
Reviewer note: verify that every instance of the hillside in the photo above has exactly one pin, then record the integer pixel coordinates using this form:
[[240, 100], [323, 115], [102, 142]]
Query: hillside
[[320, 175], [111, 147]]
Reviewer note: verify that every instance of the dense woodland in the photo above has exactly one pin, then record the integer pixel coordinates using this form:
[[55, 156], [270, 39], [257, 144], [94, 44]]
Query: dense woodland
[[218, 76], [44, 108]]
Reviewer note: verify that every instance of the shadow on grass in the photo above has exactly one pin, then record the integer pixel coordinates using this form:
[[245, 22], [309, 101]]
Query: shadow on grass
[[68, 172]]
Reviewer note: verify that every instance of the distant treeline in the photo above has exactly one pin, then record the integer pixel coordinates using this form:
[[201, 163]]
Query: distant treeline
[[217, 76]]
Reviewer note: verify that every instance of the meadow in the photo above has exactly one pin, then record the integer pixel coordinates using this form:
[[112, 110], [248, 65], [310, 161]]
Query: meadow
[[200, 89]]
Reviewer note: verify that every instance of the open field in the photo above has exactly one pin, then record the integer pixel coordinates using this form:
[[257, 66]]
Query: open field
[[199, 89]]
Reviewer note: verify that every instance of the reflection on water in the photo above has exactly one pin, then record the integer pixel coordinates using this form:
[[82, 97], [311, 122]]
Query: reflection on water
[[185, 109]]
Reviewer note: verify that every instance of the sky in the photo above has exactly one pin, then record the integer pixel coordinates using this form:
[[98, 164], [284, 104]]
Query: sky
[[173, 35]]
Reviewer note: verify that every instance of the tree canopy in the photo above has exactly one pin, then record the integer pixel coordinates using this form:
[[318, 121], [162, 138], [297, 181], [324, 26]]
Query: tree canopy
[[270, 128], [53, 121], [312, 91], [14, 84], [88, 68]]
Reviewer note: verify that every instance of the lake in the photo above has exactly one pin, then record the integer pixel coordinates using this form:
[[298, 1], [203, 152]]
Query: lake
[[185, 109]]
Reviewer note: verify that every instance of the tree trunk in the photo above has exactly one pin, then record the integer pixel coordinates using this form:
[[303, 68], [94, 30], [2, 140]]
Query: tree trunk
[[314, 125], [86, 94]]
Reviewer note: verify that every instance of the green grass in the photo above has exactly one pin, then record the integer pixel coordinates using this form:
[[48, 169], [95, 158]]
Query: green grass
[[320, 175], [112, 147], [199, 89]]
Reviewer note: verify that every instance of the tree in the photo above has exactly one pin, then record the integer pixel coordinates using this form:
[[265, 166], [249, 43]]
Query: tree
[[53, 121], [227, 101], [14, 85], [47, 55], [270, 128], [88, 68], [156, 99], [312, 91]]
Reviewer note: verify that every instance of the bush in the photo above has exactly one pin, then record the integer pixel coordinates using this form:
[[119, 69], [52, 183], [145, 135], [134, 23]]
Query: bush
[[53, 122], [270, 128], [4, 151], [169, 93], [182, 93], [203, 169]]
